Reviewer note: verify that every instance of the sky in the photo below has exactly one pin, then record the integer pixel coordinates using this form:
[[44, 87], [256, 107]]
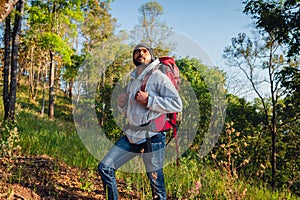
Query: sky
[[210, 24]]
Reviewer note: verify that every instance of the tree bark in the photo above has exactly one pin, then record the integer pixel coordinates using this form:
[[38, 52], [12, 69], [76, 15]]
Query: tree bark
[[71, 89], [44, 75], [7, 47], [51, 87], [31, 76], [14, 58], [273, 122], [9, 7]]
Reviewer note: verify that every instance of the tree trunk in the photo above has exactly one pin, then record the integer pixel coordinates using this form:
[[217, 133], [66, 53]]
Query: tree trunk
[[31, 76], [44, 75], [6, 67], [51, 88], [71, 89], [273, 126], [273, 160], [273, 135], [14, 58], [101, 90]]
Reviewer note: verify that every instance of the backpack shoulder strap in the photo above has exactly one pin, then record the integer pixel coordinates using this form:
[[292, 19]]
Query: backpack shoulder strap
[[164, 61], [145, 80]]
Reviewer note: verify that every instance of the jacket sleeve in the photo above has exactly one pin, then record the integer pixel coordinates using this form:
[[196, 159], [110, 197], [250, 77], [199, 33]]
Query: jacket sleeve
[[123, 109], [163, 96]]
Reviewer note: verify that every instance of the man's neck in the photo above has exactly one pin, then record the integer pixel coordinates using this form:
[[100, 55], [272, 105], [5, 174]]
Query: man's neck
[[140, 69]]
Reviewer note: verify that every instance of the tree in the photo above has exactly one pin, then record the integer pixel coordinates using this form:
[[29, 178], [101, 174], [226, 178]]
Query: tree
[[278, 22], [289, 117], [98, 24], [255, 58], [281, 18], [7, 38], [6, 8], [248, 122], [245, 116], [11, 56], [208, 86], [102, 48], [70, 72], [52, 25], [151, 30]]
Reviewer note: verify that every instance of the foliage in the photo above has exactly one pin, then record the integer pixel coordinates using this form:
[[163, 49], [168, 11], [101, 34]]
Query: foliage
[[260, 59], [249, 122], [246, 116], [151, 30], [280, 18], [290, 77], [193, 71], [98, 25], [50, 28], [194, 179], [51, 22], [9, 140], [56, 138], [70, 71], [11, 56], [228, 162], [208, 85], [240, 165]]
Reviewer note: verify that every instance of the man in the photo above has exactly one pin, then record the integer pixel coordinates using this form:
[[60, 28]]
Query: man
[[140, 107]]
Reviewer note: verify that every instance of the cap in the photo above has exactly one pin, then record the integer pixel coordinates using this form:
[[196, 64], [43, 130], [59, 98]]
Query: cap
[[147, 47]]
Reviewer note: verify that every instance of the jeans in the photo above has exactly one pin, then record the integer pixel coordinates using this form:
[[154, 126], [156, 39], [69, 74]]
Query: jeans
[[123, 151]]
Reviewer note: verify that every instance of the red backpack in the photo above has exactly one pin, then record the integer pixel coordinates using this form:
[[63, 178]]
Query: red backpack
[[168, 121]]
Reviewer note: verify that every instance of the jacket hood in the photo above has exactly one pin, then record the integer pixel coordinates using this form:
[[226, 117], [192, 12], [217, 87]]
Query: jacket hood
[[151, 66]]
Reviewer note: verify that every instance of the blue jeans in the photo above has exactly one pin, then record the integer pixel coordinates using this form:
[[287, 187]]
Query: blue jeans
[[123, 151]]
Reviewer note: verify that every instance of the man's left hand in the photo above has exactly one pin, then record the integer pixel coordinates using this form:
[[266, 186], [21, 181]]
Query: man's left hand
[[142, 97]]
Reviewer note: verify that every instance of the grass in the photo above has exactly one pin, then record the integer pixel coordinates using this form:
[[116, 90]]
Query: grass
[[52, 137], [191, 180]]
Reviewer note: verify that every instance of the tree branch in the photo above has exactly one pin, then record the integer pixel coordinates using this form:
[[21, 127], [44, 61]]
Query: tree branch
[[8, 7]]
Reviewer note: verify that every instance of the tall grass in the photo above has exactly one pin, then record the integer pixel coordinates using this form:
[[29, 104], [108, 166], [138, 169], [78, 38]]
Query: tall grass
[[55, 138], [193, 179]]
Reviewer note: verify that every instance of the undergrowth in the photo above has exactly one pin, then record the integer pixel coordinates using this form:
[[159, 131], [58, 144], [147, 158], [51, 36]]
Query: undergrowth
[[34, 134]]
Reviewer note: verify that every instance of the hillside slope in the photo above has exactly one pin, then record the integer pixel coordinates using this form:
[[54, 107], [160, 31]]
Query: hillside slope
[[43, 177]]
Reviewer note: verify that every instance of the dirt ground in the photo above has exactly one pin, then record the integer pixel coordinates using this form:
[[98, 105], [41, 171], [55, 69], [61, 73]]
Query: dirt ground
[[42, 177]]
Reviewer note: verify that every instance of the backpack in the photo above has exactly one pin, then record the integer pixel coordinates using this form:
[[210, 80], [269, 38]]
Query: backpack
[[167, 122]]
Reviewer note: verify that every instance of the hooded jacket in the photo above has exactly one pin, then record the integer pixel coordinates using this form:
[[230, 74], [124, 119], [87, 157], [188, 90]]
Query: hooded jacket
[[163, 98]]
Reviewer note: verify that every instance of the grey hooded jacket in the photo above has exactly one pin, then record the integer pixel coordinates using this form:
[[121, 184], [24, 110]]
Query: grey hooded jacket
[[163, 98]]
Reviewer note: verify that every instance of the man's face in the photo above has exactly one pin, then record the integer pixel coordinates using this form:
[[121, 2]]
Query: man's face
[[141, 56]]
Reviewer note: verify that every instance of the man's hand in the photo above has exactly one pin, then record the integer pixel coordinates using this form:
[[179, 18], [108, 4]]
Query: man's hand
[[122, 99], [142, 97]]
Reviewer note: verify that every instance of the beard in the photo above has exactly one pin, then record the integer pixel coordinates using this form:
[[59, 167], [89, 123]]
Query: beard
[[141, 61], [137, 63]]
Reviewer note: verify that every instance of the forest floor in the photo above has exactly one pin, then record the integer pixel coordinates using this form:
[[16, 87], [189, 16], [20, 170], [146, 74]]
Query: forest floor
[[43, 177]]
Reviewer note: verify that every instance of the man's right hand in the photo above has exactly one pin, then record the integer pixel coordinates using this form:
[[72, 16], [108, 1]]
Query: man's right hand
[[122, 99]]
